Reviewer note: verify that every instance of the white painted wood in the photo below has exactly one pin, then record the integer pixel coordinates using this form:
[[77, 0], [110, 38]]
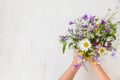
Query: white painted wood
[[29, 30]]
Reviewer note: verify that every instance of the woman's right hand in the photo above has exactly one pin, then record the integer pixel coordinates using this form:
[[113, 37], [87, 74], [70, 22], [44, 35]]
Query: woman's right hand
[[100, 73]]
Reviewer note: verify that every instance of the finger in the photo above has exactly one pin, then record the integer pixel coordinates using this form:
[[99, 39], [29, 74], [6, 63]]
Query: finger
[[75, 55], [76, 51]]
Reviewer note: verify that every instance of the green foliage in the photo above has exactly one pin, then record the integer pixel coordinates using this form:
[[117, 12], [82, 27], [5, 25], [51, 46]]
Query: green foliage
[[64, 47], [70, 44], [64, 43], [98, 32]]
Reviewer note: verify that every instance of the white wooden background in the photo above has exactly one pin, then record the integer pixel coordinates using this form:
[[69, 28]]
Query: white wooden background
[[29, 30]]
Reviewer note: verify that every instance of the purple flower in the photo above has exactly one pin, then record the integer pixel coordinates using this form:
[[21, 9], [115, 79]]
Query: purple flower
[[80, 57], [97, 47], [96, 59], [63, 38], [76, 66], [99, 37], [71, 23], [70, 30], [108, 46], [95, 43], [85, 17], [91, 19], [95, 27], [107, 29], [104, 44], [91, 31], [102, 22], [84, 64], [79, 36], [113, 54], [85, 26]]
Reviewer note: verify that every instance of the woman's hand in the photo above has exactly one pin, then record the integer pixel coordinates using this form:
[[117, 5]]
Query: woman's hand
[[99, 71], [76, 61], [71, 71], [75, 58]]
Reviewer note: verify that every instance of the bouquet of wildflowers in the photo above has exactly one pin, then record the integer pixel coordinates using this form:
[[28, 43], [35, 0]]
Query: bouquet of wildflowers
[[92, 37]]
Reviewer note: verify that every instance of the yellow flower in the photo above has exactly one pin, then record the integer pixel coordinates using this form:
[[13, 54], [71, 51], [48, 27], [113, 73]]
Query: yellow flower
[[94, 62], [81, 53], [96, 29], [98, 25]]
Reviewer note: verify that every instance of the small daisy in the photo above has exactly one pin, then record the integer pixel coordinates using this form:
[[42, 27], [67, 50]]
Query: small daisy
[[102, 50], [85, 45]]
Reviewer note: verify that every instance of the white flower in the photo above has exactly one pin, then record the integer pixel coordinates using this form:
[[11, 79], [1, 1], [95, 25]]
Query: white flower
[[102, 50], [85, 45]]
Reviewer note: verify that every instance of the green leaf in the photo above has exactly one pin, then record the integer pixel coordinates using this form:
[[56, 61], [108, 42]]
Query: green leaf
[[63, 42], [112, 26], [114, 36], [64, 47], [96, 19], [70, 44], [111, 35], [75, 40]]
